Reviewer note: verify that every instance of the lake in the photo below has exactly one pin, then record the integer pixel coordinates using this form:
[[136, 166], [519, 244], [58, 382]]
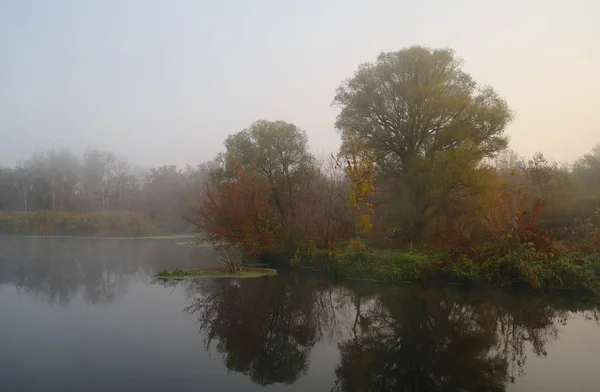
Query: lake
[[88, 315]]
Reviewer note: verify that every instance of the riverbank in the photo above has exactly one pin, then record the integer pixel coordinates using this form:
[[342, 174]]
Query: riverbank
[[80, 224], [523, 267]]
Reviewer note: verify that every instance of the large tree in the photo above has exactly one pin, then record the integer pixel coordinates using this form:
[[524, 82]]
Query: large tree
[[419, 101], [278, 151], [419, 111], [276, 148]]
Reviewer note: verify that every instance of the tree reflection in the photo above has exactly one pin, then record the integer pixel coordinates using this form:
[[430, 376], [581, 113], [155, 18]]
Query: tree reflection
[[59, 281], [58, 270], [389, 338], [264, 328], [415, 340]]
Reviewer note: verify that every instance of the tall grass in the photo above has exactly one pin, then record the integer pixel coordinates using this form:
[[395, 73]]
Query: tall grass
[[61, 223]]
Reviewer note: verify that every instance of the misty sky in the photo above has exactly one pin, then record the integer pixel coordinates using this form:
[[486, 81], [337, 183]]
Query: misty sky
[[164, 81]]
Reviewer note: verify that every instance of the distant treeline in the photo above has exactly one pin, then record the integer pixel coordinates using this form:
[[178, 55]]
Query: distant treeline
[[97, 181], [64, 223]]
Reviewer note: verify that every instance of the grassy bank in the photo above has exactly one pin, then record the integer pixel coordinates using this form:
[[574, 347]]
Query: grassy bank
[[524, 266], [61, 223]]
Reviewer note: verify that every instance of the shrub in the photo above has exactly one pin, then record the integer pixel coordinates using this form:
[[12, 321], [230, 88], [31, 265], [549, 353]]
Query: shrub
[[462, 270], [381, 265], [522, 266]]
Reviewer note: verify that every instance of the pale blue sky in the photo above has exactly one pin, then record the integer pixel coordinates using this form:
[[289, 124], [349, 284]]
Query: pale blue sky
[[164, 81]]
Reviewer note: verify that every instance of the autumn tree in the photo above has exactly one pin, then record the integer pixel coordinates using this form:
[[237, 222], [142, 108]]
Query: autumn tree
[[298, 203], [236, 213], [413, 107], [323, 204], [360, 169], [278, 151]]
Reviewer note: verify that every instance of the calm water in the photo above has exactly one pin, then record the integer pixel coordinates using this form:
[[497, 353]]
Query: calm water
[[86, 315]]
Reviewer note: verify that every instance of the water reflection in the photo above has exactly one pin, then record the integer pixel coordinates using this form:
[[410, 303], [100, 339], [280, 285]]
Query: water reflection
[[389, 338], [298, 329], [443, 340], [56, 270], [264, 328]]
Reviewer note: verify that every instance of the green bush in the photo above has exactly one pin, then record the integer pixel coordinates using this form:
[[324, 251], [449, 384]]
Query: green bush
[[462, 271], [522, 266], [61, 223], [381, 265]]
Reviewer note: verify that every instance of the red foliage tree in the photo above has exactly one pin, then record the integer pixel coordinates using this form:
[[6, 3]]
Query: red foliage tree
[[236, 213]]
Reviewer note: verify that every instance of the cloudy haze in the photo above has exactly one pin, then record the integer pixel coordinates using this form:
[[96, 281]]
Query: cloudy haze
[[166, 81]]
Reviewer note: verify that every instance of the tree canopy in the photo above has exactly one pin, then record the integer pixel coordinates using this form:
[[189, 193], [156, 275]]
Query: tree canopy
[[277, 149], [429, 125], [419, 101]]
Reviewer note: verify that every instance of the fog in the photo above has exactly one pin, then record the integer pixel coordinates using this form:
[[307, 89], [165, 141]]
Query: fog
[[166, 81]]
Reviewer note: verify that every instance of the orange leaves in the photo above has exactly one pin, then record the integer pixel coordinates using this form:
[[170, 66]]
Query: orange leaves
[[237, 213]]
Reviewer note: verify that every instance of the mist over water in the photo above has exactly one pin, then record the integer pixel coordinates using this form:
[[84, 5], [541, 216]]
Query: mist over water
[[88, 314]]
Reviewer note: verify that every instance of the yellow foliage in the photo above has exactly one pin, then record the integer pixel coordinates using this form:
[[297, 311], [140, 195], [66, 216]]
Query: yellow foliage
[[355, 245], [364, 224], [360, 169]]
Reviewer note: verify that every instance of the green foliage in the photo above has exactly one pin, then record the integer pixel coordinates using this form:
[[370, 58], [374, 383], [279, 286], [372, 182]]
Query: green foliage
[[418, 101], [61, 223], [462, 271], [262, 199], [430, 126], [381, 266], [526, 266], [297, 259], [523, 266], [276, 149]]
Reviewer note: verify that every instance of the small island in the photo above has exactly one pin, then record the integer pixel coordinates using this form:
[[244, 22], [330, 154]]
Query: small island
[[216, 272]]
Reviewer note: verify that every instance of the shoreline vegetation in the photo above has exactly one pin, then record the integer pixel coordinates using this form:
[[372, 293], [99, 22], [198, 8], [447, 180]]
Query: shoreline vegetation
[[524, 268], [216, 272]]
